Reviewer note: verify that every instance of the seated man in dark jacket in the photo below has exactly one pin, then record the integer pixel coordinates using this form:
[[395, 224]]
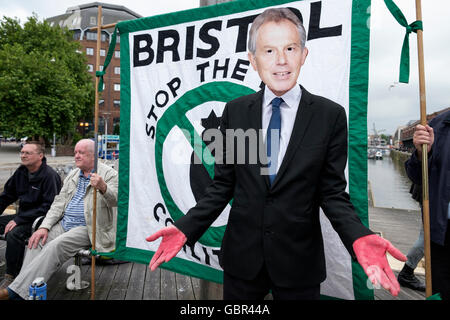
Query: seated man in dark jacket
[[35, 185]]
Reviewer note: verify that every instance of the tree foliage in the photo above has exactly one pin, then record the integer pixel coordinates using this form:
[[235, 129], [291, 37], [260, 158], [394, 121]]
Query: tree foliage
[[45, 87], [386, 137]]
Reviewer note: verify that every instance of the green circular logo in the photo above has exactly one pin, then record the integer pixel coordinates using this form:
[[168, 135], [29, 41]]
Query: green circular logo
[[175, 115]]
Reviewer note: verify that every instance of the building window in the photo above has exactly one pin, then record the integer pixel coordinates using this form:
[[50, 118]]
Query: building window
[[102, 52], [117, 54], [90, 67], [116, 70], [117, 103], [101, 103], [116, 86], [93, 21], [90, 51], [77, 35], [91, 36], [101, 68]]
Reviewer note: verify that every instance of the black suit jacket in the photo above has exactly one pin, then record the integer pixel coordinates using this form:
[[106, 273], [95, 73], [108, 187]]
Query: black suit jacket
[[279, 225]]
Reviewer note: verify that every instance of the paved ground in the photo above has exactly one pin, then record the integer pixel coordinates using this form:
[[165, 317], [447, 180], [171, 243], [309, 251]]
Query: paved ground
[[401, 228]]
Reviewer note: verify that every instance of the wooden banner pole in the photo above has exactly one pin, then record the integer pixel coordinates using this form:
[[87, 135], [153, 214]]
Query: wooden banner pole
[[94, 211], [423, 121]]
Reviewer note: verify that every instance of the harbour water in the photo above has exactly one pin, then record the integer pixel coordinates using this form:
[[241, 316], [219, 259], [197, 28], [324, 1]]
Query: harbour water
[[390, 184]]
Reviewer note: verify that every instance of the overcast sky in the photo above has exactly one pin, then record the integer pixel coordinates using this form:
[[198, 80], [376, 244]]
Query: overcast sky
[[390, 104]]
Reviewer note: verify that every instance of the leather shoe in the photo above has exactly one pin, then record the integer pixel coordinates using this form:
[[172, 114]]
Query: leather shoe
[[4, 295], [411, 281]]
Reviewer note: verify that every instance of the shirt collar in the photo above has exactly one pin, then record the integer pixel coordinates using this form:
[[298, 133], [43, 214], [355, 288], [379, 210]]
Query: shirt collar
[[291, 98], [81, 175]]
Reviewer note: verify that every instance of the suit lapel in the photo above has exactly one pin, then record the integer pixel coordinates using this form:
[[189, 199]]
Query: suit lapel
[[302, 121], [256, 110], [256, 123]]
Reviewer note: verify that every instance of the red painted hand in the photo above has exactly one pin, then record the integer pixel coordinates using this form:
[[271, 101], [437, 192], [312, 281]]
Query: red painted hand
[[371, 254], [172, 242]]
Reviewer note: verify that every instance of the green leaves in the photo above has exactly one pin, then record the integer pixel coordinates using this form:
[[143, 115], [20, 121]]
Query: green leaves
[[44, 83]]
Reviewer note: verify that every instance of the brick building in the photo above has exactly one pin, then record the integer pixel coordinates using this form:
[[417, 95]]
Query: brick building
[[81, 19]]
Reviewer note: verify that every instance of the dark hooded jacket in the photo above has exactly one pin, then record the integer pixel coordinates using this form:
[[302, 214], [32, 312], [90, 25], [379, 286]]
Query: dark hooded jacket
[[438, 176], [35, 192]]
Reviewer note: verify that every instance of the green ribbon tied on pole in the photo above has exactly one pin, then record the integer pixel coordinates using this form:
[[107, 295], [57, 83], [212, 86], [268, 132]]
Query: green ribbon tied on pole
[[413, 27], [111, 48]]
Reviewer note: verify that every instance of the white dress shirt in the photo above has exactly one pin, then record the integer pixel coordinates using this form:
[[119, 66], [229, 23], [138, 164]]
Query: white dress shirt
[[288, 111]]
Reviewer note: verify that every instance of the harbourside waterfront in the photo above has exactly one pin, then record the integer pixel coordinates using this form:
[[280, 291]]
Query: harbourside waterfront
[[389, 183]]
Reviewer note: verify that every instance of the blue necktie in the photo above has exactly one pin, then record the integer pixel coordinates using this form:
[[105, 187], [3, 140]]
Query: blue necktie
[[274, 130]]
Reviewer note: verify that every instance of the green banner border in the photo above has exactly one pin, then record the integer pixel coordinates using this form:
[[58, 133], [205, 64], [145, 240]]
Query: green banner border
[[195, 14], [357, 136], [358, 95]]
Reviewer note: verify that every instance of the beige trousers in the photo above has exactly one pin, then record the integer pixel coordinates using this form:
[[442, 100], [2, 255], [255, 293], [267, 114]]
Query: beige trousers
[[45, 260]]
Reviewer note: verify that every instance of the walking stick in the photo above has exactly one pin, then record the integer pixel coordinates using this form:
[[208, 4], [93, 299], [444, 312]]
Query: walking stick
[[423, 121], [94, 209]]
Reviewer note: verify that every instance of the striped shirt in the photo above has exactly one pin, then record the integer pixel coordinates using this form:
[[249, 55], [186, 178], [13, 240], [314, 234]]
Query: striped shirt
[[74, 214]]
